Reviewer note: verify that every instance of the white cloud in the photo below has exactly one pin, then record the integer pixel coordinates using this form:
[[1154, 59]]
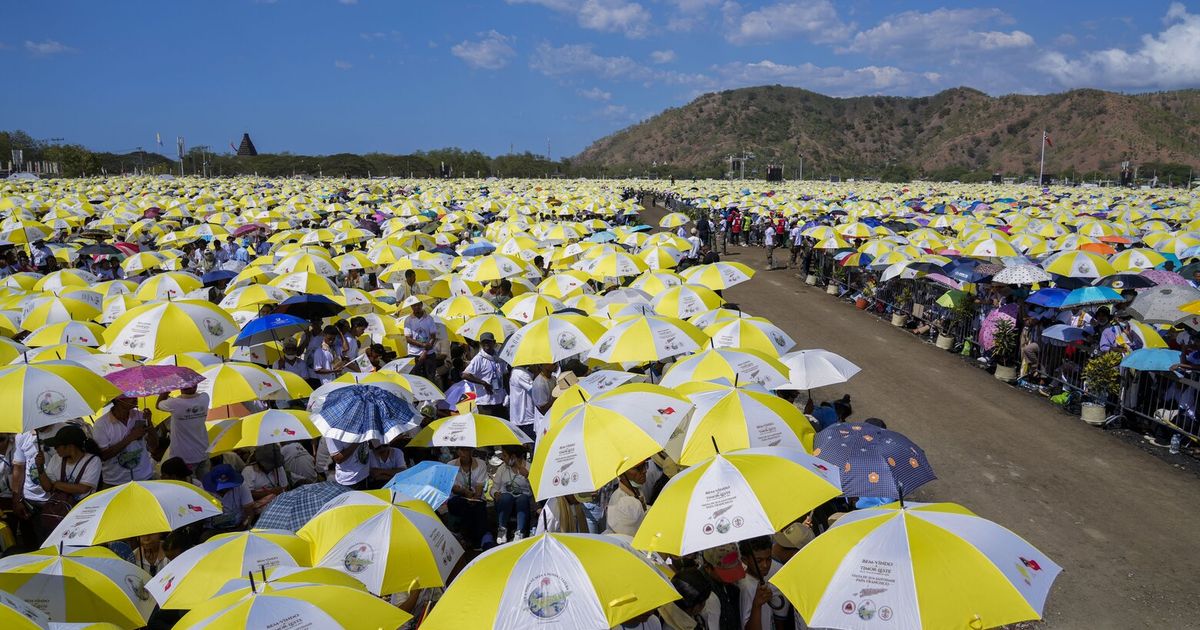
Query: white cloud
[[580, 59], [492, 52], [342, 65], [47, 47], [662, 56], [595, 94], [1170, 59], [831, 80], [814, 20], [610, 16], [689, 14], [913, 32]]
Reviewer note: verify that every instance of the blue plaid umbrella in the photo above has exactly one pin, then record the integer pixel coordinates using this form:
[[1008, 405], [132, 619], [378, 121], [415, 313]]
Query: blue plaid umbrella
[[873, 462], [428, 481], [292, 509], [360, 413]]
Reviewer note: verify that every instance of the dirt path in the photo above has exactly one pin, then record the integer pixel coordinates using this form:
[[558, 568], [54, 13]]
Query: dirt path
[[1124, 525]]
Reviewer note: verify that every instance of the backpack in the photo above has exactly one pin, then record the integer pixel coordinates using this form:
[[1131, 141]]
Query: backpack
[[60, 503]]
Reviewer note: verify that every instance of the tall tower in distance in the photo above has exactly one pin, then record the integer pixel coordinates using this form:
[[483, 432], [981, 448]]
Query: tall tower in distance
[[247, 147]]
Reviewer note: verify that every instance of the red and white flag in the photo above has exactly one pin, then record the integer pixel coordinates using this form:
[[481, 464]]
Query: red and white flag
[[1046, 139]]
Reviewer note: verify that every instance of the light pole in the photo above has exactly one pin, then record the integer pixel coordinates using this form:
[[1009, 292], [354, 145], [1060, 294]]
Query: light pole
[[801, 168]]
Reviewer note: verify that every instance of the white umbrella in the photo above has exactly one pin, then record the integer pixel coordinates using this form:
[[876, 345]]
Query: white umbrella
[[810, 369]]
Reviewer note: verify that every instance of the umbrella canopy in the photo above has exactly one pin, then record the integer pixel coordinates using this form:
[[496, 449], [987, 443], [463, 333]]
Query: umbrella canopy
[[731, 364], [558, 581], [1163, 304], [1088, 296], [309, 306], [197, 574], [810, 369], [719, 275], [593, 440], [1021, 275], [469, 429], [273, 426], [945, 568], [735, 496], [428, 481], [551, 339], [42, 394], [132, 509], [728, 418], [360, 413], [1151, 360], [18, 614], [1049, 298], [874, 462], [389, 542], [88, 585], [271, 327], [755, 333], [160, 329], [150, 380], [644, 339], [292, 509], [1064, 333]]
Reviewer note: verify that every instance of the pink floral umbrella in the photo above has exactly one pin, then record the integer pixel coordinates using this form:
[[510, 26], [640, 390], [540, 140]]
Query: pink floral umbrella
[[987, 330], [151, 380]]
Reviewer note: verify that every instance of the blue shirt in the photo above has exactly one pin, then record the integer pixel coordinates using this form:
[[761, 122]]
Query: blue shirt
[[826, 416]]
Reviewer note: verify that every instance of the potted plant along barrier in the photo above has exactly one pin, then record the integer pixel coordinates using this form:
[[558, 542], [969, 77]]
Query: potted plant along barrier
[[1004, 350], [863, 299], [899, 317], [838, 279], [959, 317], [1101, 381]]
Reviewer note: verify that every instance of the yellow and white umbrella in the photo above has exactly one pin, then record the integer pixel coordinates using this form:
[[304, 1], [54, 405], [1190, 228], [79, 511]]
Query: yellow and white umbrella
[[158, 329], [141, 262], [81, 333], [674, 220], [304, 282], [647, 338], [1078, 264], [51, 309], [115, 306], [390, 548], [612, 265], [308, 260], [199, 573], [493, 267], [18, 614], [923, 565], [463, 306], [591, 441], [686, 300], [731, 364], [236, 382], [88, 585], [172, 285], [252, 296], [132, 509], [530, 306], [272, 426], [501, 327], [731, 417], [42, 394], [282, 603], [654, 282], [755, 333], [734, 496], [469, 429], [559, 581], [719, 275], [551, 339]]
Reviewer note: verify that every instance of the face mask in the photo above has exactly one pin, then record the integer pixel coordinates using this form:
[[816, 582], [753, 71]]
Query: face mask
[[635, 485]]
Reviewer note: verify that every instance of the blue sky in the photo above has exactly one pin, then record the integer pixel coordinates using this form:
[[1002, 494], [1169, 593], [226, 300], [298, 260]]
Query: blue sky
[[326, 76]]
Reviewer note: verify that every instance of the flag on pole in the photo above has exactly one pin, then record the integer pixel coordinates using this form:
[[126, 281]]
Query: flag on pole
[[158, 138], [233, 147], [1046, 138]]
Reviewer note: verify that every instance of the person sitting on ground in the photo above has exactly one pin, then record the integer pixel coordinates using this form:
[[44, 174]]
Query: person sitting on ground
[[237, 504], [384, 462], [512, 493], [466, 501], [75, 471], [266, 477]]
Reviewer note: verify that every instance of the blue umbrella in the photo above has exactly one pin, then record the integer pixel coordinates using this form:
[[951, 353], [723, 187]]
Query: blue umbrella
[[292, 509], [213, 277], [309, 306], [1050, 298], [1064, 333], [428, 481], [479, 248], [270, 327], [603, 236], [873, 462], [1086, 296], [964, 270], [1151, 360], [359, 413]]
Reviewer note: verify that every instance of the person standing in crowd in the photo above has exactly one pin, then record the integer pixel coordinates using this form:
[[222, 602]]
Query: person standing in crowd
[[350, 459], [522, 408], [686, 613], [420, 331], [626, 506], [189, 435], [723, 567], [761, 604], [126, 443], [488, 371]]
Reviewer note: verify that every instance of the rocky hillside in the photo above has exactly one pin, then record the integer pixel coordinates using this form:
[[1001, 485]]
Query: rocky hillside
[[959, 129]]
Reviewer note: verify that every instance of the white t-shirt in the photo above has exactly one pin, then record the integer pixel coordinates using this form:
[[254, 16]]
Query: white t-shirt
[[256, 479], [133, 462], [189, 437], [521, 408], [393, 460], [25, 453], [694, 252], [490, 370], [475, 477], [85, 471], [354, 468], [421, 330], [748, 585], [298, 462], [322, 359]]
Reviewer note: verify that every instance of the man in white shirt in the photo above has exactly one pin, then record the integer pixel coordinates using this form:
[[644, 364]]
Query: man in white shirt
[[125, 442], [325, 366], [27, 489], [420, 331], [189, 436], [487, 370], [351, 459], [409, 287], [521, 408], [694, 252], [760, 602]]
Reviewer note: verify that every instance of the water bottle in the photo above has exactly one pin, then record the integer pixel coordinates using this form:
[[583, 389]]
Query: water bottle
[[1175, 440]]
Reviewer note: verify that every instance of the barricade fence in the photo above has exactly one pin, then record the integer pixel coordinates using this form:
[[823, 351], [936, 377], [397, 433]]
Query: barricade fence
[[1048, 365]]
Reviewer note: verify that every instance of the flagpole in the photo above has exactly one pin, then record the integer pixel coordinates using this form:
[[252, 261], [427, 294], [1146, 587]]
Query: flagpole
[[1042, 165]]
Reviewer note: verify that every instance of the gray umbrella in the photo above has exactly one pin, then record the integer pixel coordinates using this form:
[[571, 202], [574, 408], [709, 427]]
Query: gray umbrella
[[1161, 304]]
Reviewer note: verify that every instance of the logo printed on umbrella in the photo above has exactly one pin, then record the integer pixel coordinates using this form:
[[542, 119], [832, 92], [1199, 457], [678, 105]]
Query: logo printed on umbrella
[[359, 558], [547, 596], [566, 341], [51, 403], [137, 586]]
